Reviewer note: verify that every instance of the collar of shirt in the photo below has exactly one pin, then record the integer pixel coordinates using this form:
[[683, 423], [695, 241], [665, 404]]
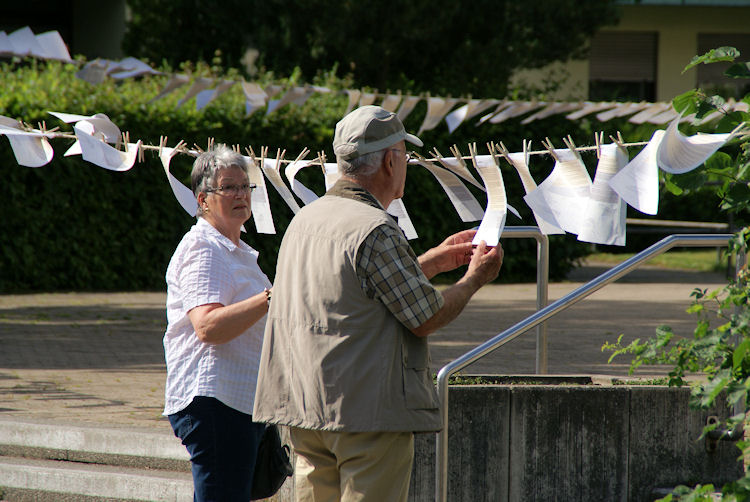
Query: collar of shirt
[[351, 190], [222, 239]]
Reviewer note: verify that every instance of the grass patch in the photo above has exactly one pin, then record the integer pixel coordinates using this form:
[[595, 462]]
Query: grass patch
[[703, 260]]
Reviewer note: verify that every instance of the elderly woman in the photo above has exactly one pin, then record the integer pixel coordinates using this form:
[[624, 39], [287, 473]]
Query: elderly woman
[[217, 299]]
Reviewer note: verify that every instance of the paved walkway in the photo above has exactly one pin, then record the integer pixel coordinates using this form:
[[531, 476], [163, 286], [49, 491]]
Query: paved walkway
[[80, 357]]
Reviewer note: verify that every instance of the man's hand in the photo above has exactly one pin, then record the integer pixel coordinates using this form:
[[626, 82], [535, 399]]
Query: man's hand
[[485, 263], [453, 252]]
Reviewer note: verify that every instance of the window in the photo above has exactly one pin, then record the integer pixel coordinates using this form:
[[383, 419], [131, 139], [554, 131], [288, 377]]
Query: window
[[622, 66]]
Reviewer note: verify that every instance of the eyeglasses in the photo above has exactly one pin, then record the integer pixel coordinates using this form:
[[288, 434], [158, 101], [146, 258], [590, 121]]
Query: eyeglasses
[[407, 155], [233, 190]]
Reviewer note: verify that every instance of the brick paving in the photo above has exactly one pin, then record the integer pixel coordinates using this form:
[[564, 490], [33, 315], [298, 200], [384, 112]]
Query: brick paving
[[98, 357]]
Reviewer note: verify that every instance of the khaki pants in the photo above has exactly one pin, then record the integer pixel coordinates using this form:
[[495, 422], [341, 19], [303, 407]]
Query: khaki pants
[[352, 466]]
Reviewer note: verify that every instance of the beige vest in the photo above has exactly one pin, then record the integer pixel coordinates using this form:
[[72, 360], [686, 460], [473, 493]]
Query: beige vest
[[332, 358]]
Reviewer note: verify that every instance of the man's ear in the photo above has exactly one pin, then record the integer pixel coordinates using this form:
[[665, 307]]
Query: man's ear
[[388, 163]]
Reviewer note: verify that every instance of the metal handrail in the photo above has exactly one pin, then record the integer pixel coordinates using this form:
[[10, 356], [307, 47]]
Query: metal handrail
[[542, 286], [682, 240]]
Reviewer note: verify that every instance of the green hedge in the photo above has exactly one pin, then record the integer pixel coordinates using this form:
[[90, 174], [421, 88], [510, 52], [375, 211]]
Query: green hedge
[[71, 225]]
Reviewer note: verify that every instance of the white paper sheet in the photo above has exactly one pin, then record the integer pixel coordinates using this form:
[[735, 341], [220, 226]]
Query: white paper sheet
[[367, 98], [5, 46], [679, 154], [605, 213], [53, 46], [102, 126], [94, 72], [407, 105], [200, 84], [493, 221], [458, 166], [290, 171], [520, 162], [175, 82], [462, 199], [621, 110], [516, 109], [648, 112], [471, 109], [332, 174], [353, 95], [437, 109], [31, 149], [182, 193], [391, 102], [205, 97], [273, 175], [101, 154], [562, 197], [128, 68], [638, 182], [24, 43], [398, 211], [500, 107], [255, 97], [259, 202], [589, 108], [550, 110], [297, 95]]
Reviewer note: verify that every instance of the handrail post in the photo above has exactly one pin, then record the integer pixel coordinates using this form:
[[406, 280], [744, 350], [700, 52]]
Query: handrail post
[[441, 440]]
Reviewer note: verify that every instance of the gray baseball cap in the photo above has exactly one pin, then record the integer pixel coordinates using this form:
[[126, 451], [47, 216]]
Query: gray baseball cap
[[369, 129]]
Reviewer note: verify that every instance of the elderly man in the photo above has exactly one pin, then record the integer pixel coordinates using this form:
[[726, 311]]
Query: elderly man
[[345, 361]]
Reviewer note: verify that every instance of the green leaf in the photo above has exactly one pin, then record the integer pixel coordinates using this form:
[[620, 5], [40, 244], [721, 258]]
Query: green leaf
[[714, 56], [718, 161], [738, 70], [687, 103], [740, 353], [669, 185]]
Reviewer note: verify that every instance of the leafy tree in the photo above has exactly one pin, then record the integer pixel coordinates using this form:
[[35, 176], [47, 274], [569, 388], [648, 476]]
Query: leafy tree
[[440, 46], [722, 352]]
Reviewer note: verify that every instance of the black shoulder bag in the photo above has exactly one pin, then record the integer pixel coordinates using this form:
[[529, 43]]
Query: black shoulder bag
[[272, 466]]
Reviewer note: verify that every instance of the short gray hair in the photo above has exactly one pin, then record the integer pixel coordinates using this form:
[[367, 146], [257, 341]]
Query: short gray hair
[[362, 166], [207, 166]]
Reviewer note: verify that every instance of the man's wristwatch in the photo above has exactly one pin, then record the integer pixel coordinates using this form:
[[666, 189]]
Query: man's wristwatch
[[268, 296]]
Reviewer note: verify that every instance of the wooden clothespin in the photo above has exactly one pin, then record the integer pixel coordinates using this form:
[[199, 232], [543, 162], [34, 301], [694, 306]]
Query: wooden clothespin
[[547, 144], [598, 137], [302, 154], [572, 146], [473, 154], [236, 148], [125, 140], [200, 150], [251, 154], [263, 155], [494, 149], [162, 143], [322, 161], [504, 151], [526, 150], [619, 141], [459, 158], [279, 157], [141, 152]]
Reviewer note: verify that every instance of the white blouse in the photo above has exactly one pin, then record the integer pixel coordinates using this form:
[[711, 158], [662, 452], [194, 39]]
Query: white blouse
[[208, 268]]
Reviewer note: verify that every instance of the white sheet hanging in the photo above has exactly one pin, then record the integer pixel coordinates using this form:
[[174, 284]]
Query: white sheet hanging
[[471, 109], [407, 105], [175, 82], [562, 197], [30, 148], [182, 193], [398, 211], [200, 84], [605, 213], [259, 202], [391, 102], [255, 97], [101, 154], [273, 175], [205, 97], [463, 201], [437, 108], [493, 221], [520, 161], [679, 154], [353, 95], [290, 171], [638, 182]]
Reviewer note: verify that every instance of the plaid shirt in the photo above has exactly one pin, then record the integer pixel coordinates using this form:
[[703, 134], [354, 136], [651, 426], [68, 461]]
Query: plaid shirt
[[388, 268]]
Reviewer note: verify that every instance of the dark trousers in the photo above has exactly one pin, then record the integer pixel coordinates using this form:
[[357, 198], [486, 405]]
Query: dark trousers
[[223, 446]]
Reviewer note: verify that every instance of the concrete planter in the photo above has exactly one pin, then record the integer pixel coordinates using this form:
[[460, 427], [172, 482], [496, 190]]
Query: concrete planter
[[571, 443]]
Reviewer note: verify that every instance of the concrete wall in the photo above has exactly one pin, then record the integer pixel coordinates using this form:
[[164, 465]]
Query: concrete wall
[[571, 443], [677, 27]]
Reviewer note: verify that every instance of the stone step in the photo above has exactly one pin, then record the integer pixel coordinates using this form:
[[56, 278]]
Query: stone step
[[25, 479], [127, 447]]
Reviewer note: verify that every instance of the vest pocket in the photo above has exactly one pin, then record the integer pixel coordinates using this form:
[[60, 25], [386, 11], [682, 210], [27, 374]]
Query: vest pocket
[[419, 391]]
